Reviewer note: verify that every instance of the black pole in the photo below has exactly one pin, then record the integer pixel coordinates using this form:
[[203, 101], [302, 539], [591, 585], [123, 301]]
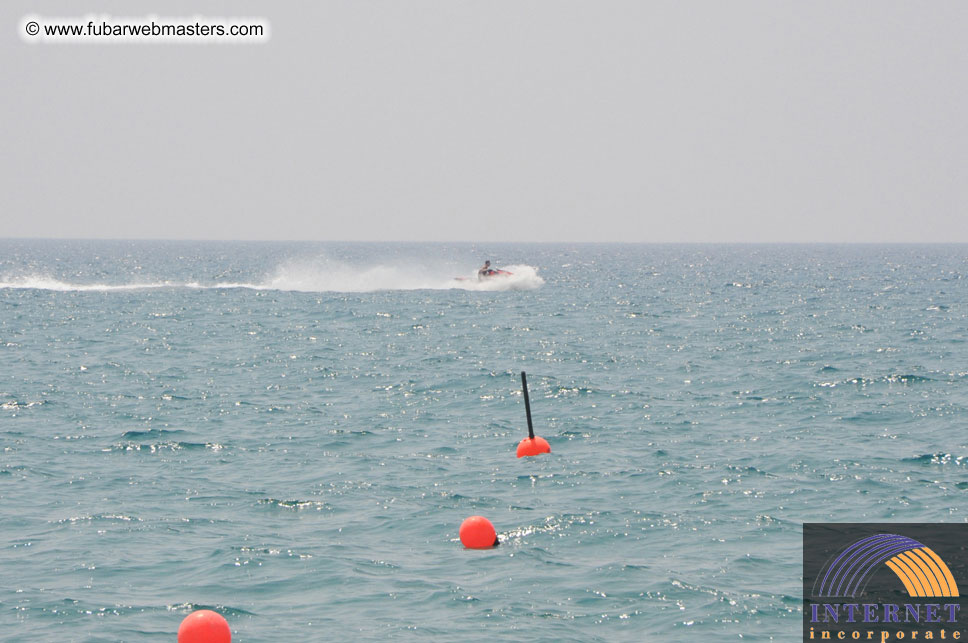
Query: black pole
[[527, 404]]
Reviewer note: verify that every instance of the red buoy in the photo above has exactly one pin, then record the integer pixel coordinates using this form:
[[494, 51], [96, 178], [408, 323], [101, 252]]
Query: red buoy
[[477, 532], [533, 446], [204, 626]]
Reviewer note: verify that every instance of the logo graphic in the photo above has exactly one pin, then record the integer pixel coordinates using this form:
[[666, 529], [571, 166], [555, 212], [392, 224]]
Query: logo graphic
[[884, 582], [922, 571]]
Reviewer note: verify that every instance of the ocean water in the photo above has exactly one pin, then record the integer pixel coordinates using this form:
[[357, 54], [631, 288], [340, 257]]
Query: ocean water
[[291, 434]]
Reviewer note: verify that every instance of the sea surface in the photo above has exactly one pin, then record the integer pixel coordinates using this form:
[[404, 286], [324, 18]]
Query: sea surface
[[292, 433]]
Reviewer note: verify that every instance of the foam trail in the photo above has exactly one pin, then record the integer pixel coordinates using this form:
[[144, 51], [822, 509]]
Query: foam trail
[[318, 275], [323, 275], [43, 282], [333, 276]]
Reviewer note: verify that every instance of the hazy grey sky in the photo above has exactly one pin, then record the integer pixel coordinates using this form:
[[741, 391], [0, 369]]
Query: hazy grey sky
[[497, 120]]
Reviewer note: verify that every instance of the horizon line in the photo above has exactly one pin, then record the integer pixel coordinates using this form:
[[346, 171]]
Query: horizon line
[[564, 242]]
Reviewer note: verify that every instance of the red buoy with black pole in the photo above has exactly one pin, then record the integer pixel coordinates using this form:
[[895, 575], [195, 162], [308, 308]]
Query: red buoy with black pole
[[531, 445]]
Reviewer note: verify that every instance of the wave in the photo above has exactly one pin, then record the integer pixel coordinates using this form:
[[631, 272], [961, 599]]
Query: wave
[[295, 505], [892, 378], [314, 276], [938, 458]]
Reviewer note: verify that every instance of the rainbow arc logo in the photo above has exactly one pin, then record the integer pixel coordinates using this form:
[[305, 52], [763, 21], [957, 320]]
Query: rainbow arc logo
[[922, 572]]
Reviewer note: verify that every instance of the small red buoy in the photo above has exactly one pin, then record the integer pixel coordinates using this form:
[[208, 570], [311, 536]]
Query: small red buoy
[[477, 532], [533, 446], [204, 626]]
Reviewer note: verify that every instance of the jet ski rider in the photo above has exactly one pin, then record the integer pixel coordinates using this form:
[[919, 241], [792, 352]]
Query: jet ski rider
[[485, 270]]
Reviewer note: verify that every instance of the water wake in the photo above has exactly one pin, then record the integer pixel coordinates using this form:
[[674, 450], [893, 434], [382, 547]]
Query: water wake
[[329, 276], [44, 282], [314, 276]]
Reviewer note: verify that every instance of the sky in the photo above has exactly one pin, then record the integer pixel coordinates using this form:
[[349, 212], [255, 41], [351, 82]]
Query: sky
[[495, 120]]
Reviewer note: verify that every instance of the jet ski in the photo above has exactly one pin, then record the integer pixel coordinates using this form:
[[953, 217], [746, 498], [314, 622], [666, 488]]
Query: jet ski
[[491, 273]]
